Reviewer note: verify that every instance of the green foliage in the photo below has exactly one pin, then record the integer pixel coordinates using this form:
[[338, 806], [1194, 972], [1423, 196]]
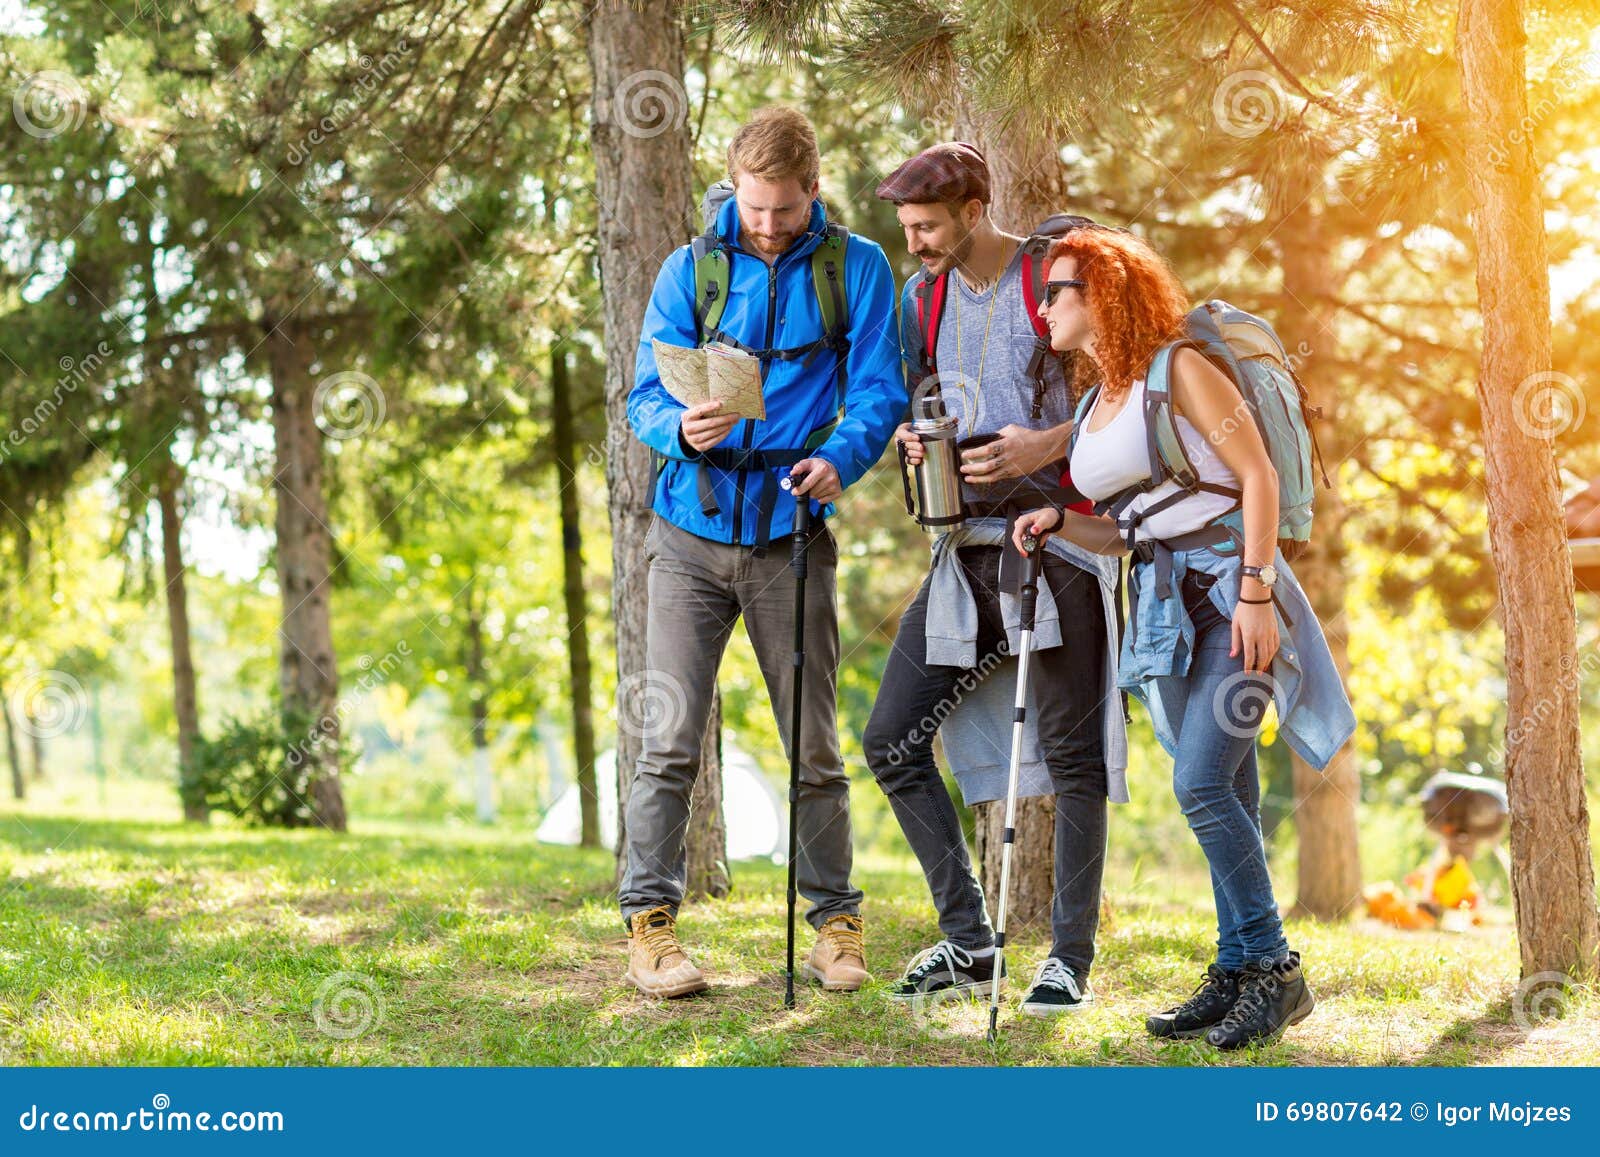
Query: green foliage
[[426, 205], [259, 769]]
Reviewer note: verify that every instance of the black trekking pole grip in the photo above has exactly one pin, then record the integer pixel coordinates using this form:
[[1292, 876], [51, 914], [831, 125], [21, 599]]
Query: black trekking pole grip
[[1030, 581], [802, 532]]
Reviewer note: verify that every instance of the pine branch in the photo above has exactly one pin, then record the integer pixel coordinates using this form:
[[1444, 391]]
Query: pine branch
[[1405, 493], [1283, 70]]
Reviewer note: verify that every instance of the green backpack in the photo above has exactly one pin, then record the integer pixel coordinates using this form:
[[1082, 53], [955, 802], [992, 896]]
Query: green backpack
[[712, 275]]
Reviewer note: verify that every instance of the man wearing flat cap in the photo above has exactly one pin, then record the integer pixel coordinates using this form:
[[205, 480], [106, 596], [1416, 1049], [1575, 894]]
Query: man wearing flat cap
[[968, 324]]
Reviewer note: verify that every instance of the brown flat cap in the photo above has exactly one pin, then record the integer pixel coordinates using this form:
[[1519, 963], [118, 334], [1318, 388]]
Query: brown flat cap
[[951, 171]]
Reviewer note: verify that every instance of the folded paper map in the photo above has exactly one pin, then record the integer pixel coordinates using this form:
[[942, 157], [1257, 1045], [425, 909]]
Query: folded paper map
[[712, 373]]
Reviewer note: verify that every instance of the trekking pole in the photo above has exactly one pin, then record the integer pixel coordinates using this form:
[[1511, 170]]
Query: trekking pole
[[1030, 598], [797, 564]]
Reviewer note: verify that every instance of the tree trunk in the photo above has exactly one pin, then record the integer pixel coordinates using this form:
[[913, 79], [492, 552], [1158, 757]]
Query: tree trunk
[[308, 680], [1325, 802], [709, 876], [19, 787], [36, 746], [1552, 872], [97, 738], [1027, 183], [573, 593], [478, 689], [640, 141], [184, 703]]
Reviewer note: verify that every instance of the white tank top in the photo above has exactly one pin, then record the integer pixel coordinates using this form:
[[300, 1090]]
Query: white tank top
[[1106, 462]]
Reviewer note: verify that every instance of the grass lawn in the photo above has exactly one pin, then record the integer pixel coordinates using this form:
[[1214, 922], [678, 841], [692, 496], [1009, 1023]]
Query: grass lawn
[[141, 941]]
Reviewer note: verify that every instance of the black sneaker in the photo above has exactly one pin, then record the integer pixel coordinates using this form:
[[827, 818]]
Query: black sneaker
[[946, 969], [1271, 998], [1056, 989], [1206, 1007]]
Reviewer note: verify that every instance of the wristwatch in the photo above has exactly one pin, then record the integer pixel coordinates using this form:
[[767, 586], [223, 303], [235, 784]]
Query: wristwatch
[[1265, 575]]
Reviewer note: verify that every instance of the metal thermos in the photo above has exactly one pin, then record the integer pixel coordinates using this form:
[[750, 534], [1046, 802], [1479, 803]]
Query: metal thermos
[[933, 487]]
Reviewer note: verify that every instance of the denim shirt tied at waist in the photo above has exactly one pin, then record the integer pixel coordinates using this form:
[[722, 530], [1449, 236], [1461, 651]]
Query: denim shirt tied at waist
[[1313, 710]]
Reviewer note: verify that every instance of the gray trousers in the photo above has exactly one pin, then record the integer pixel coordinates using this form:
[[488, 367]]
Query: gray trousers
[[698, 590]]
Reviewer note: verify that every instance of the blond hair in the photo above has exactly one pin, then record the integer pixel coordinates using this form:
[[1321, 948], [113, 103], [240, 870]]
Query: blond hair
[[774, 145]]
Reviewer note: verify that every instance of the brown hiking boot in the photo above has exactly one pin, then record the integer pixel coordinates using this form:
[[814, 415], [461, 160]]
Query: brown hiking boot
[[839, 960], [657, 964]]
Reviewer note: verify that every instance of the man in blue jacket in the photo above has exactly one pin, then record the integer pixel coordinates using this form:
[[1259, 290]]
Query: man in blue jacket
[[817, 305]]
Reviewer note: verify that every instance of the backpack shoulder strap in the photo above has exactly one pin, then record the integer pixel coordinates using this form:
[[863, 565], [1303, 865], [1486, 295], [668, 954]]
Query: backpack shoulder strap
[[1034, 250], [1168, 458], [711, 280], [828, 282], [1079, 416], [827, 279], [930, 298]]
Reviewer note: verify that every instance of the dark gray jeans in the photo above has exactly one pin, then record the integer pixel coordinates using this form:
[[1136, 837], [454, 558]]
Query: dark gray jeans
[[698, 590], [1067, 684]]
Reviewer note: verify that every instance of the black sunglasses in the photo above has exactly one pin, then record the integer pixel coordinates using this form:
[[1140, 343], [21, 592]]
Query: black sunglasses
[[1053, 288]]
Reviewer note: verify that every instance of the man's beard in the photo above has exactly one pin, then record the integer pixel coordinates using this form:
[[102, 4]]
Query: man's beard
[[958, 254], [770, 245], [774, 245]]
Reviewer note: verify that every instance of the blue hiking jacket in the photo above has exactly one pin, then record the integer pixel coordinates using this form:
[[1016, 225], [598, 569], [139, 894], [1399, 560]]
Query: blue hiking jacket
[[773, 307]]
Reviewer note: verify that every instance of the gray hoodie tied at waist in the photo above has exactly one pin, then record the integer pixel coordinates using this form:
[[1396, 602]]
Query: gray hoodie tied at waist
[[977, 733]]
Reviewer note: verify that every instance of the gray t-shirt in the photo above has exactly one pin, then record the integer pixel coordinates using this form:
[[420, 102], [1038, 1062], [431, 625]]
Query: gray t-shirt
[[1004, 396]]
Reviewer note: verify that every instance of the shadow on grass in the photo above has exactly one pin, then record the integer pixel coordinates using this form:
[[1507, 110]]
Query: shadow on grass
[[512, 863], [1476, 1040]]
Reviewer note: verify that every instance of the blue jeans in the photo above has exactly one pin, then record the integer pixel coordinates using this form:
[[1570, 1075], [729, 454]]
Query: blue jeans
[[1218, 786]]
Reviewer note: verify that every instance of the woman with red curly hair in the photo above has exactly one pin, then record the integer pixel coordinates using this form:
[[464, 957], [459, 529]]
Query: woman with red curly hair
[[1207, 661]]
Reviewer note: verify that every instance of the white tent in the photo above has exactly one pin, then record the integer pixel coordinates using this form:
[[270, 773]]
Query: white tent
[[757, 825]]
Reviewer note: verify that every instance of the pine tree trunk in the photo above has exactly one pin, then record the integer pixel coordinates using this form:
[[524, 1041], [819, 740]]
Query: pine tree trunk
[[308, 680], [97, 738], [573, 594], [709, 876], [1552, 872], [1326, 801], [1027, 184], [478, 689], [19, 786], [184, 702], [640, 140], [36, 747]]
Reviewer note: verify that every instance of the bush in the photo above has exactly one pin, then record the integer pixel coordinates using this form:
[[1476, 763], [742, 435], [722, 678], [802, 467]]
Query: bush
[[260, 769]]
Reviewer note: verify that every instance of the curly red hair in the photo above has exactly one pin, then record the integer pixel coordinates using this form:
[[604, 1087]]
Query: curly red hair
[[1136, 301]]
